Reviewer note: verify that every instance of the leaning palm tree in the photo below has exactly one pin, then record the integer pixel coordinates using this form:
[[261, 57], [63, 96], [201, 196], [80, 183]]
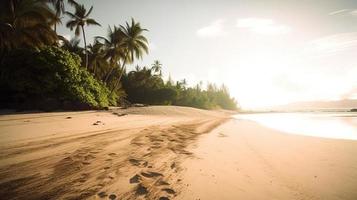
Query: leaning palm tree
[[114, 50], [134, 45], [79, 19], [25, 23]]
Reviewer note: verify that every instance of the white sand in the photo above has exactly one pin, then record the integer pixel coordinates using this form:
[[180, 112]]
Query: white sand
[[161, 152], [66, 156], [244, 160]]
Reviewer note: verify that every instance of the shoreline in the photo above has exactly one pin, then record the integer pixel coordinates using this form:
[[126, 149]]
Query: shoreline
[[167, 152], [244, 160]]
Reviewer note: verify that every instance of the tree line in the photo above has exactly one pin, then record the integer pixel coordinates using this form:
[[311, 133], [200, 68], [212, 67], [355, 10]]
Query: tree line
[[42, 69]]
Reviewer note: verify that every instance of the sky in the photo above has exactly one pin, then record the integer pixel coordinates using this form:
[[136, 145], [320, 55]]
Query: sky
[[267, 52]]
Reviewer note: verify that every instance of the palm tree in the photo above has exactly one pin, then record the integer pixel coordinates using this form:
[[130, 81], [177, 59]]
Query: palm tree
[[156, 67], [114, 51], [56, 19], [79, 19], [59, 8], [25, 23], [72, 45], [96, 55], [134, 45]]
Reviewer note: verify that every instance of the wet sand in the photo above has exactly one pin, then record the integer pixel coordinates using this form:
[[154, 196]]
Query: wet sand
[[244, 160]]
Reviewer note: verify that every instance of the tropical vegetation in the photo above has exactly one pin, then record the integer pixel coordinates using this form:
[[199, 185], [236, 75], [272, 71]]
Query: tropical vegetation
[[41, 69]]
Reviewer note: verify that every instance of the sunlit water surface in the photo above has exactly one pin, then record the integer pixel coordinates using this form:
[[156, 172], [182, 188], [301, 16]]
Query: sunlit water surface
[[327, 125]]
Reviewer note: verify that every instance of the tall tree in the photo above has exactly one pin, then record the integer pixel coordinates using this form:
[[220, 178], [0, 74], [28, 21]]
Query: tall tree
[[134, 43], [96, 58], [79, 19], [25, 23], [59, 7], [114, 50]]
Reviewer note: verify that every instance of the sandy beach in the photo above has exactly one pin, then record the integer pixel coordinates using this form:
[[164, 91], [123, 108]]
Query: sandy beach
[[167, 152]]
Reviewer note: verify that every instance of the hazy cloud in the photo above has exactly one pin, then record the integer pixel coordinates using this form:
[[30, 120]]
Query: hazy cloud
[[338, 12], [352, 94], [215, 29], [332, 44], [263, 26], [352, 12]]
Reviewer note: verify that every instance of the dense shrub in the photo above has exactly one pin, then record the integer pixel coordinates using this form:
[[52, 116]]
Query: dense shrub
[[51, 75], [145, 86]]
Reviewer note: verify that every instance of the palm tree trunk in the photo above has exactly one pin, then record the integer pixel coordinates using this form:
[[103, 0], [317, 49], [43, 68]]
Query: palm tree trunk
[[121, 74], [85, 46], [109, 73], [12, 7]]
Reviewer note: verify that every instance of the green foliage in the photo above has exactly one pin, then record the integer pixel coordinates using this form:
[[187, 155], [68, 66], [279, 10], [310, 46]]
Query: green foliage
[[25, 23], [51, 73], [35, 72], [145, 85]]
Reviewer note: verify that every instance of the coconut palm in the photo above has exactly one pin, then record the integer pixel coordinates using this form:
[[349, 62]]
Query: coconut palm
[[79, 19], [25, 23], [59, 8], [134, 45], [156, 67], [54, 21], [114, 50], [96, 58], [72, 45]]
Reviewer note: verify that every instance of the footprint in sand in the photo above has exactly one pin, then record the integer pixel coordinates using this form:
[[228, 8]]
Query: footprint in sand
[[85, 163], [134, 161], [168, 190], [88, 157], [151, 174], [135, 179], [141, 190], [102, 194], [112, 196], [161, 182], [164, 198]]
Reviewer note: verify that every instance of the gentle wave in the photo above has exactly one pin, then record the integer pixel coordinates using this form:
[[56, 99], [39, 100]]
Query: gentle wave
[[327, 125]]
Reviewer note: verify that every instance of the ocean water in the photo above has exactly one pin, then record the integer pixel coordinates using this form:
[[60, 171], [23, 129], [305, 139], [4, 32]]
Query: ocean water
[[337, 125]]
